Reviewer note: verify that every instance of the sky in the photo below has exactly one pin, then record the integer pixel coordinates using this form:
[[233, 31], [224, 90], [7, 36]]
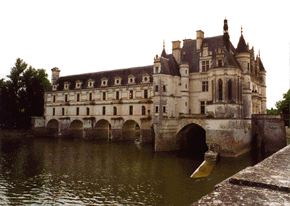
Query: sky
[[89, 36]]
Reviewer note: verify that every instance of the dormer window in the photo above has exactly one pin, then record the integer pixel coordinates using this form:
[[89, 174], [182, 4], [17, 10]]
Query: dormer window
[[91, 83], [54, 87], [66, 86], [78, 84], [220, 62], [104, 82], [156, 71], [117, 80], [205, 65], [131, 79], [145, 78]]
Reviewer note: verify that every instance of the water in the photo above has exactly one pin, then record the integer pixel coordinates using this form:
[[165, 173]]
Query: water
[[78, 172]]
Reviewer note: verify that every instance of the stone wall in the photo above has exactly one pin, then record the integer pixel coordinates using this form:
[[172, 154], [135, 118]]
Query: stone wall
[[268, 132]]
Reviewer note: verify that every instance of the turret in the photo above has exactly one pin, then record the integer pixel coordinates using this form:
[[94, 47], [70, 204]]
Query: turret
[[184, 72], [55, 75]]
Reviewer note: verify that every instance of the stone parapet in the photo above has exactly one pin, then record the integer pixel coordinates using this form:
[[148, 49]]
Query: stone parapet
[[267, 183]]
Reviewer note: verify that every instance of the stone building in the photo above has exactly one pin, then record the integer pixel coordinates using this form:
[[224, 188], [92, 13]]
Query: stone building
[[203, 94]]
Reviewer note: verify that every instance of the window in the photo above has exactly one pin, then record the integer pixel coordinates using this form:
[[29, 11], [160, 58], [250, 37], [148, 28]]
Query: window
[[205, 66], [53, 111], [238, 90], [65, 97], [205, 86], [145, 93], [248, 66], [185, 86], [156, 70], [220, 63], [164, 88], [115, 111], [88, 111], [90, 96], [117, 95], [78, 97], [185, 71], [104, 110], [53, 98], [104, 95], [78, 111], [202, 107], [62, 111], [156, 109], [230, 89], [164, 109], [131, 94], [143, 110], [220, 84], [156, 88], [185, 104], [131, 110]]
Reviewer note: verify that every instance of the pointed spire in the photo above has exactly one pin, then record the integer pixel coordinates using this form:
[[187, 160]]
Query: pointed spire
[[226, 36], [163, 54], [242, 46]]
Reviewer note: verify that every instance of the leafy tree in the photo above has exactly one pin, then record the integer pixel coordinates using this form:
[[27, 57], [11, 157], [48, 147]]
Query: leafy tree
[[283, 105], [22, 95]]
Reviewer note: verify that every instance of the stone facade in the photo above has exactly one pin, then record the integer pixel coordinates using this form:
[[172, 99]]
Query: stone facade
[[207, 87]]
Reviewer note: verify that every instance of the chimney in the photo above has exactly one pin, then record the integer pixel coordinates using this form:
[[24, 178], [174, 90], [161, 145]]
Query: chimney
[[55, 75], [199, 39], [176, 50]]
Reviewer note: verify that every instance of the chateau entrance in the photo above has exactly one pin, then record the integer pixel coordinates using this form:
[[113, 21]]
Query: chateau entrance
[[192, 139], [102, 129], [131, 131], [52, 127], [76, 129]]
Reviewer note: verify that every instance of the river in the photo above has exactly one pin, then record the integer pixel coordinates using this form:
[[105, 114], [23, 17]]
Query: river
[[80, 172]]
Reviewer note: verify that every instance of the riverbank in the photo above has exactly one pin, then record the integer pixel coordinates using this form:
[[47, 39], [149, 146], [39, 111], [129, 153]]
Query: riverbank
[[266, 183]]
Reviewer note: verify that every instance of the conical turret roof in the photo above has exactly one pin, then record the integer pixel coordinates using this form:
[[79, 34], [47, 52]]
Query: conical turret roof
[[242, 46]]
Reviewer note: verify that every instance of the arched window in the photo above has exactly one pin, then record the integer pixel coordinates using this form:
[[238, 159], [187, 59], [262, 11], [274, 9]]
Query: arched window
[[230, 89], [88, 111], [115, 110], [220, 83]]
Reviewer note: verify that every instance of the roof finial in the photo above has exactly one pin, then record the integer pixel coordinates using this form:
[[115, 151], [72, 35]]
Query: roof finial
[[241, 29], [259, 53], [163, 44]]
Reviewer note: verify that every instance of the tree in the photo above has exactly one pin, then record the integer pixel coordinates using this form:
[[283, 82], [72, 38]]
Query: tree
[[283, 105], [22, 95]]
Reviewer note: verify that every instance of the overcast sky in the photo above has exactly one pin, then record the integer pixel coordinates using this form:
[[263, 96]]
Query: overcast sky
[[90, 36]]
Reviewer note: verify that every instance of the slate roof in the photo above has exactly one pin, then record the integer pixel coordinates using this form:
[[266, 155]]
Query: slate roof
[[242, 46], [137, 72], [261, 66], [169, 65], [190, 54]]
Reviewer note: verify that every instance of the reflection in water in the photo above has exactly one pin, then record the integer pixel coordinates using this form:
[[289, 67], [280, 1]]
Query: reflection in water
[[44, 171]]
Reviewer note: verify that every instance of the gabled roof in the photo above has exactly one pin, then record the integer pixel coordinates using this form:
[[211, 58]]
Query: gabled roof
[[190, 55], [242, 46], [109, 75]]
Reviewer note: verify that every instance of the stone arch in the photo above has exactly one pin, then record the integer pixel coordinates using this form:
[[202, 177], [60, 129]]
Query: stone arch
[[131, 130], [102, 129], [192, 139], [52, 127], [53, 123], [76, 129]]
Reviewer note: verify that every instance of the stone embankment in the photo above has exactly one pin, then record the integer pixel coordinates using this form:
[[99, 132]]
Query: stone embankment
[[267, 183]]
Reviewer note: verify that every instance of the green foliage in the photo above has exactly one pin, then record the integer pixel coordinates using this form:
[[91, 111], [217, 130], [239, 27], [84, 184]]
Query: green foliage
[[272, 111], [283, 105], [22, 95]]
